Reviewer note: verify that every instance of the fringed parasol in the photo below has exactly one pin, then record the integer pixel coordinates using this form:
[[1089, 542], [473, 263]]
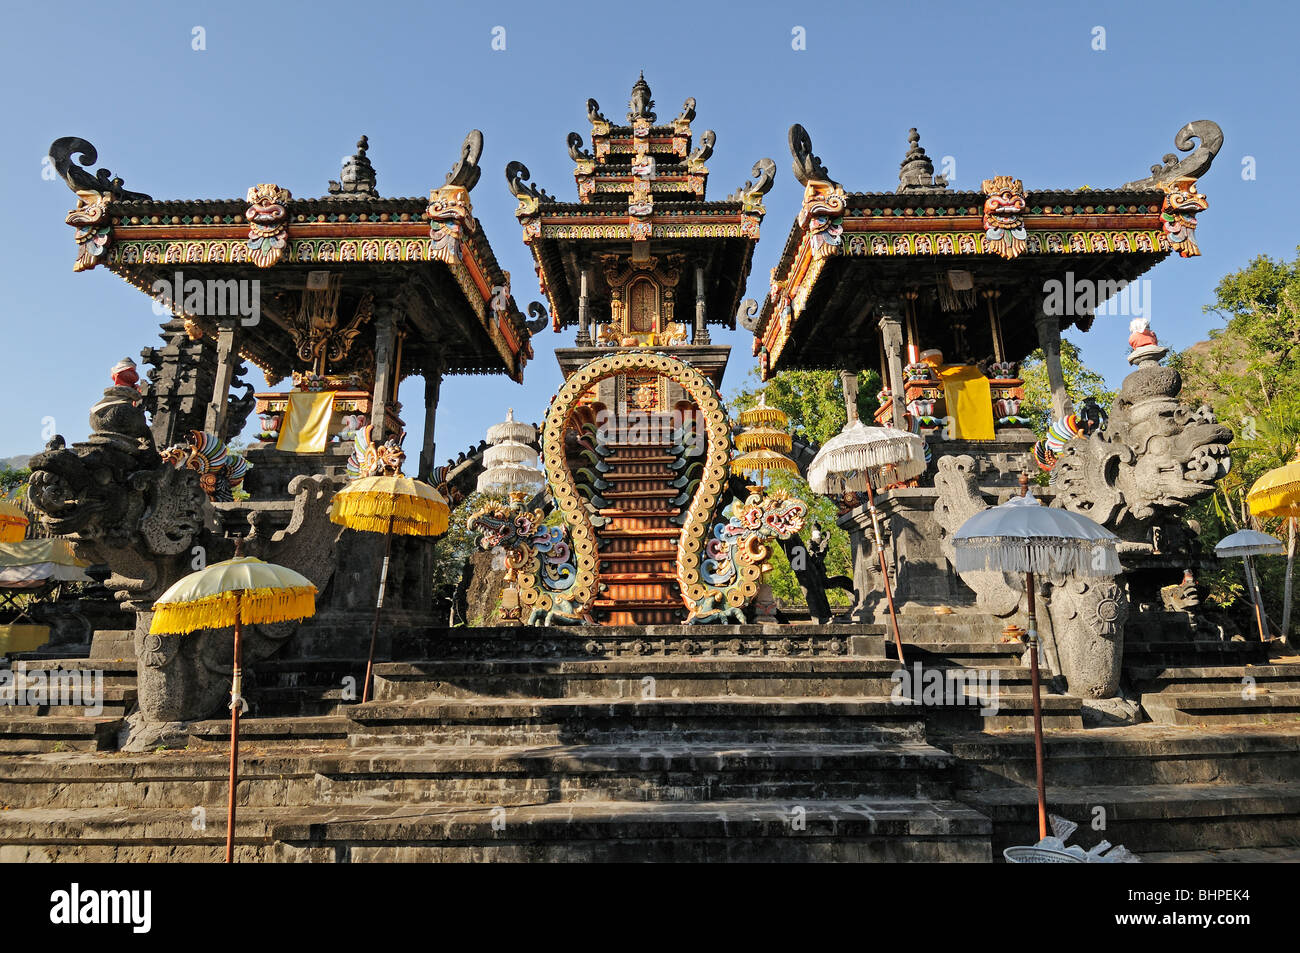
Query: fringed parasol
[[511, 429], [856, 460], [1276, 493], [369, 503], [761, 414], [1249, 542], [1242, 545], [509, 452], [235, 593], [859, 455], [757, 463], [389, 503], [1023, 536]]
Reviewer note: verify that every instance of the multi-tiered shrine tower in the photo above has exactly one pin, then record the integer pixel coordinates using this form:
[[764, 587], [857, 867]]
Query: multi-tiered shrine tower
[[641, 261]]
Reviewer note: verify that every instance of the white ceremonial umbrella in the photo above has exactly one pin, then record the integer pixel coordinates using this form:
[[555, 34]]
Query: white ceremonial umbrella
[[858, 457], [1023, 536], [1242, 545]]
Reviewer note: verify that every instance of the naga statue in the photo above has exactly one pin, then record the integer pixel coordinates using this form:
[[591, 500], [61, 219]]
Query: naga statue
[[221, 471], [123, 506], [1136, 475]]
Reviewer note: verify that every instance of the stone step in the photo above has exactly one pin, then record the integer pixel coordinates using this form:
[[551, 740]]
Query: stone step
[[114, 672], [1150, 817], [1223, 708], [1216, 678], [37, 733], [110, 701], [113, 644], [976, 654], [285, 730], [480, 775], [845, 676], [733, 718], [866, 829], [1145, 754]]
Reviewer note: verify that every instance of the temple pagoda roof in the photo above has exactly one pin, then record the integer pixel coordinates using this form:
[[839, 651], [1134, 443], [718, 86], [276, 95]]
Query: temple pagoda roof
[[641, 191], [848, 252], [428, 258]]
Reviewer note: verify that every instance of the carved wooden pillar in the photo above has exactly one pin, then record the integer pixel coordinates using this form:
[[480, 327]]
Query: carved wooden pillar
[[584, 315], [701, 309], [1049, 339], [849, 382], [432, 385], [227, 364], [385, 348], [891, 335]]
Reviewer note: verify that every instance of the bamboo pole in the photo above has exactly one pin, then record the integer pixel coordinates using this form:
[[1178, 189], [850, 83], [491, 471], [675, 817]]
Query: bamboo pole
[[884, 569], [236, 702], [1032, 633], [379, 605]]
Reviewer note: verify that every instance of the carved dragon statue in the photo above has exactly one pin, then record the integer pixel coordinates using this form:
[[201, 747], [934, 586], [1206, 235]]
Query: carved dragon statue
[[121, 505]]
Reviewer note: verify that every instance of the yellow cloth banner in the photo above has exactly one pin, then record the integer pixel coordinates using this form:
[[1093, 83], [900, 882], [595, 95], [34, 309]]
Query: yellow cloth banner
[[306, 425], [970, 402]]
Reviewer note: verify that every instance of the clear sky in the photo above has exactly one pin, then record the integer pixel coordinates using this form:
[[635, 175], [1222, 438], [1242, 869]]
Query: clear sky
[[282, 91]]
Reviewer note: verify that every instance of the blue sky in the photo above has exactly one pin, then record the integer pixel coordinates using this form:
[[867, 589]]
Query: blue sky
[[283, 90]]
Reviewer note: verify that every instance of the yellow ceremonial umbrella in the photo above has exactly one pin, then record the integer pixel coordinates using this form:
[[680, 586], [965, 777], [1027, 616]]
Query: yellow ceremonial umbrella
[[388, 504], [13, 522], [1277, 492], [235, 592], [757, 463], [764, 443]]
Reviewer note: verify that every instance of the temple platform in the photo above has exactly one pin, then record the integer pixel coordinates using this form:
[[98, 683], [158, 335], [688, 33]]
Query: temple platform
[[657, 743]]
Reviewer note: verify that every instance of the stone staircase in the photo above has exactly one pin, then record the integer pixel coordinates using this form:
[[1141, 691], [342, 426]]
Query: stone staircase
[[666, 743], [1190, 677], [1164, 792]]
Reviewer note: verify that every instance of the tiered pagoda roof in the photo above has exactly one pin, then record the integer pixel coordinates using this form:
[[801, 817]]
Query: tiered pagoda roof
[[641, 193], [427, 258], [848, 252]]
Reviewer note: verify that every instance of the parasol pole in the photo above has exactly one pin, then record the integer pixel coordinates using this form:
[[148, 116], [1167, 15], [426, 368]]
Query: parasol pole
[[884, 570], [236, 702], [1257, 597], [379, 604], [1032, 633]]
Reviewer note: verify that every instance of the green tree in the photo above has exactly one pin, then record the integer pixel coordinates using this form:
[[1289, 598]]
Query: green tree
[[13, 481], [1248, 372], [1081, 382], [814, 401]]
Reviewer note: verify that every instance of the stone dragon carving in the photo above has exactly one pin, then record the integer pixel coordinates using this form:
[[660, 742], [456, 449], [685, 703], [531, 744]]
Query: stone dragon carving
[[123, 506], [1136, 476], [540, 557]]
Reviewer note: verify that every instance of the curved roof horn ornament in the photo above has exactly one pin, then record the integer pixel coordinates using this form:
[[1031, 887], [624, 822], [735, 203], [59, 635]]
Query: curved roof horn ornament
[[465, 172], [1194, 166], [78, 179], [807, 167]]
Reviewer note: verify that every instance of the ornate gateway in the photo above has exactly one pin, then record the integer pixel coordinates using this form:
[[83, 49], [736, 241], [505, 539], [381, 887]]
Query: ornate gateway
[[722, 545]]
